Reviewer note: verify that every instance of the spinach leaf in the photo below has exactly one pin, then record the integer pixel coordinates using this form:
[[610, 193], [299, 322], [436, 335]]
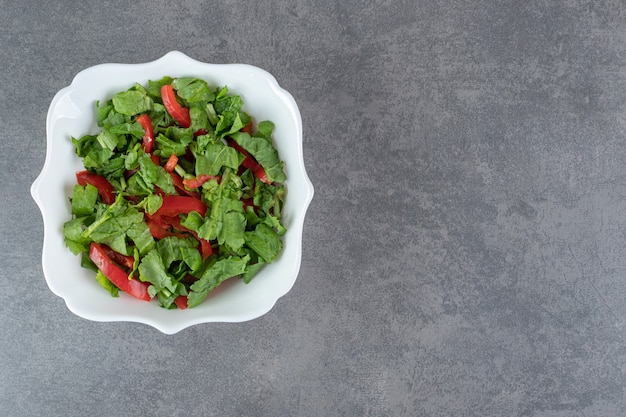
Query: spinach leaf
[[264, 130], [151, 203], [199, 117], [269, 198], [108, 139], [251, 271]]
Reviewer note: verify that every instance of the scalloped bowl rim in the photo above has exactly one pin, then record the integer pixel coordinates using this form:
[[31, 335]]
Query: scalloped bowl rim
[[71, 113]]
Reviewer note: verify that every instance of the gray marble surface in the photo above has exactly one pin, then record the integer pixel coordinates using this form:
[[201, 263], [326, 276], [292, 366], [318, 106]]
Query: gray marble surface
[[463, 254]]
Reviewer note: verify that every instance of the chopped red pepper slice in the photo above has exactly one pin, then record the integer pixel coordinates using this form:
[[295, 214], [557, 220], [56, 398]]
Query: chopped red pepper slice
[[170, 222], [124, 260], [180, 186], [148, 137], [132, 198], [174, 222], [173, 205], [117, 275], [260, 174], [156, 229], [105, 189], [171, 163], [249, 161], [181, 302], [199, 180], [155, 159], [160, 227], [188, 279], [247, 128], [178, 112], [248, 202], [205, 246]]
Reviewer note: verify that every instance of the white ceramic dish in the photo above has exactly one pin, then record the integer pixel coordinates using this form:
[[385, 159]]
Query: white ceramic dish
[[72, 113]]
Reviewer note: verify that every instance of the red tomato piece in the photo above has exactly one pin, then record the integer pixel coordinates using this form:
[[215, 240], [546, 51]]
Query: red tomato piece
[[164, 226], [205, 247], [180, 186], [248, 202], [171, 222], [157, 230], [173, 205], [117, 275], [155, 159], [247, 128], [105, 189], [124, 260], [260, 174], [148, 137], [199, 180], [249, 161], [171, 163], [181, 302], [178, 112]]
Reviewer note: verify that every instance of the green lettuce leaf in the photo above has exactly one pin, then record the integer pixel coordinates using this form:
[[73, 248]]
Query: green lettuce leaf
[[217, 272], [226, 223], [131, 102], [106, 284], [229, 113], [264, 152], [84, 200], [154, 88], [216, 156], [117, 222], [73, 234], [133, 129], [193, 90], [148, 176], [172, 249], [265, 242], [152, 270]]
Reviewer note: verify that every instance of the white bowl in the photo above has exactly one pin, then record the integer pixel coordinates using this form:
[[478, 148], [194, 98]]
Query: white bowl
[[72, 113]]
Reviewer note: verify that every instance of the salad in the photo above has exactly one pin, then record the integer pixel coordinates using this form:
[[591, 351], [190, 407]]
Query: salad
[[181, 191]]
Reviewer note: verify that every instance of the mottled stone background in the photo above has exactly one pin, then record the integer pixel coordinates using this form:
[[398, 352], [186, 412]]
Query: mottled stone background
[[464, 251]]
